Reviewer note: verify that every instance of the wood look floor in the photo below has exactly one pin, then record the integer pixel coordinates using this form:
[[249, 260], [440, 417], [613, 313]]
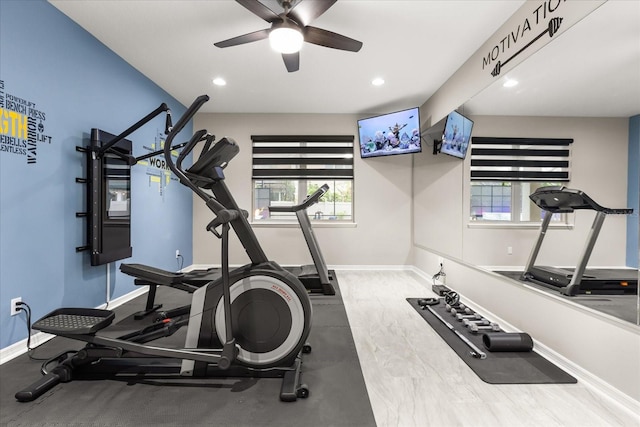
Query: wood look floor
[[414, 379]]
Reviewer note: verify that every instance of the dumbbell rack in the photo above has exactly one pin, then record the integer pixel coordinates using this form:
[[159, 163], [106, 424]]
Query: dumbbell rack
[[461, 320]]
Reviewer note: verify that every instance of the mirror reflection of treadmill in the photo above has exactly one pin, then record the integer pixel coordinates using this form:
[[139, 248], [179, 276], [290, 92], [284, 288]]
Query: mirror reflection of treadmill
[[578, 280]]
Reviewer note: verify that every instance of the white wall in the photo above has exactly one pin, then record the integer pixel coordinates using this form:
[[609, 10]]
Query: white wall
[[438, 203], [598, 167], [382, 189]]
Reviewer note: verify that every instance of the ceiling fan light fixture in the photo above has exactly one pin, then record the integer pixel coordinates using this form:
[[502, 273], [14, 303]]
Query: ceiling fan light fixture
[[286, 39]]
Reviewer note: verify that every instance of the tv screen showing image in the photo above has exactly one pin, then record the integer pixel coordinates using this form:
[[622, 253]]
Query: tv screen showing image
[[456, 135], [389, 134]]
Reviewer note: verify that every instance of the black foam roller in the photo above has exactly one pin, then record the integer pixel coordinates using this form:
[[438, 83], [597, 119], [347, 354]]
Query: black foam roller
[[507, 341]]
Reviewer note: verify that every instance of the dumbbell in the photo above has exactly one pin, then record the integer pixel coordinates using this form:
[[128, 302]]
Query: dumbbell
[[475, 316], [481, 322], [459, 306], [476, 328], [461, 310]]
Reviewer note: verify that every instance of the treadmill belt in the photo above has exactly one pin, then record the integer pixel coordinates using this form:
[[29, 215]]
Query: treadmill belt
[[594, 280]]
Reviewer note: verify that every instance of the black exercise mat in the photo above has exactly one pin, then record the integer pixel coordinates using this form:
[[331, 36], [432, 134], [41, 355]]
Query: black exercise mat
[[338, 396], [498, 367]]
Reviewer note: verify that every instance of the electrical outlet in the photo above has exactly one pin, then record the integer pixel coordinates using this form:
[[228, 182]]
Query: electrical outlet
[[15, 309], [177, 253], [509, 250]]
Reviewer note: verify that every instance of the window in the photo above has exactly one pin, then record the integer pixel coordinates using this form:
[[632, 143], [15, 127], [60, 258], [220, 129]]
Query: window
[[508, 202], [505, 171], [287, 168]]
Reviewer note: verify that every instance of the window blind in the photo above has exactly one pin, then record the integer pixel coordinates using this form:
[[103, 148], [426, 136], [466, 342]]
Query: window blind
[[520, 159], [302, 156]]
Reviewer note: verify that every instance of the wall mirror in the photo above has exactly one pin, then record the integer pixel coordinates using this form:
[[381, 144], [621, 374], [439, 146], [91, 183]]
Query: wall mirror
[[591, 71]]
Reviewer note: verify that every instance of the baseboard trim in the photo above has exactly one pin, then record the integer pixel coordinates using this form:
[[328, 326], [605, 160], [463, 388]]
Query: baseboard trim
[[595, 384], [193, 267], [371, 267], [19, 348]]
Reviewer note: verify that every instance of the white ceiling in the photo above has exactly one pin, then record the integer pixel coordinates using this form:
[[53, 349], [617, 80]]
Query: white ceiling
[[591, 70], [415, 45]]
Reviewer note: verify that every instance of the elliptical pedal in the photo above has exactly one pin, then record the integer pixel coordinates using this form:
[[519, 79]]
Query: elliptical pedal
[[75, 321]]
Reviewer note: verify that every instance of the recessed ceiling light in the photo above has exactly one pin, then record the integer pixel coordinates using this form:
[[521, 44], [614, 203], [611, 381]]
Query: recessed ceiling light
[[219, 81], [510, 83], [379, 81]]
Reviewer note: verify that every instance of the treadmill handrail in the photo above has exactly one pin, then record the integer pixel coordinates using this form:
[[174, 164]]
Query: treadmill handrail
[[310, 200], [560, 199]]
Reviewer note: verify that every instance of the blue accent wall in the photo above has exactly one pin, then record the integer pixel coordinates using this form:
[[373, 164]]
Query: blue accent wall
[[633, 222], [58, 82]]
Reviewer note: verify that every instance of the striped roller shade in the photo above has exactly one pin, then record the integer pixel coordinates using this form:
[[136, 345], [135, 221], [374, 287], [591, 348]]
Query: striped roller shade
[[302, 156], [520, 159]]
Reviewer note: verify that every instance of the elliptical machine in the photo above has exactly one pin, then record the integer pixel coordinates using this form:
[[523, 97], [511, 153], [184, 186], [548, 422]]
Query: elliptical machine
[[253, 321]]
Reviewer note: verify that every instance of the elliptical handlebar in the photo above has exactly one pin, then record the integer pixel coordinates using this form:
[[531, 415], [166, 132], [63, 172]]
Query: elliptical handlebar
[[197, 137], [182, 122], [223, 214]]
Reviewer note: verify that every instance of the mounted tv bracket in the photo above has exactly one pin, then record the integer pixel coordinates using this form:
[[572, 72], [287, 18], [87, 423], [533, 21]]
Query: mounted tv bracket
[[437, 146], [109, 159]]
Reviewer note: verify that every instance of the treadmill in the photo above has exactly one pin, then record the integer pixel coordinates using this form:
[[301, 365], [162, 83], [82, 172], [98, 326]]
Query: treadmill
[[316, 278], [578, 280]]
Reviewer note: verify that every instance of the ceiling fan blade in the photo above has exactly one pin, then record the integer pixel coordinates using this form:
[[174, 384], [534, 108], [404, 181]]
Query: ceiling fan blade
[[306, 11], [246, 38], [330, 39], [259, 10], [291, 61]]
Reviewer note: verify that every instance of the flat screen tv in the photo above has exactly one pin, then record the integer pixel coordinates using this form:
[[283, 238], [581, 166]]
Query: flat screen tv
[[389, 134], [456, 135]]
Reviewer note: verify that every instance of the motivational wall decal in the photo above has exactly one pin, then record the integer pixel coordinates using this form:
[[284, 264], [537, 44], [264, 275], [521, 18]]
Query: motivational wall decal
[[22, 126], [541, 17]]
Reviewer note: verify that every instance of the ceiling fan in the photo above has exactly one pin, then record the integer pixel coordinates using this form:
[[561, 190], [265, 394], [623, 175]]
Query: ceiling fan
[[292, 28]]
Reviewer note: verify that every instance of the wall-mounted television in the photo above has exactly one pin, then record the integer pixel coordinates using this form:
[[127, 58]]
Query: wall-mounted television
[[456, 135], [389, 134]]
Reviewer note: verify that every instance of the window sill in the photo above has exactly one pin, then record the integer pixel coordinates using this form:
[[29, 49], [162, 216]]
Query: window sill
[[519, 225]]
